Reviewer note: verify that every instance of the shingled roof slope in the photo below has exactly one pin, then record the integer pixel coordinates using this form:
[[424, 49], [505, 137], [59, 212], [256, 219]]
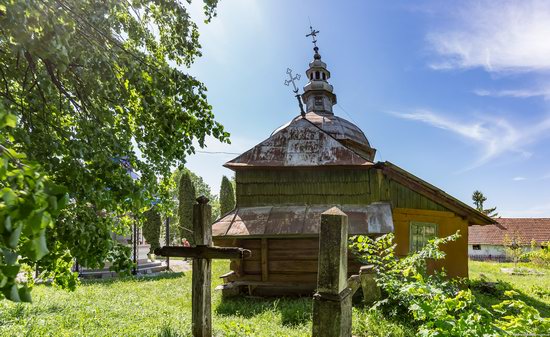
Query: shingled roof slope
[[526, 228], [300, 143]]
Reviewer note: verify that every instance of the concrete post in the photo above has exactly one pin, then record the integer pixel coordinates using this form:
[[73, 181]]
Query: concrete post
[[332, 301], [371, 291]]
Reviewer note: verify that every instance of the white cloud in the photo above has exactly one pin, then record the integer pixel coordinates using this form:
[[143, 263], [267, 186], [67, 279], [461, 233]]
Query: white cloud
[[519, 178], [517, 93], [496, 136], [539, 210], [496, 35]]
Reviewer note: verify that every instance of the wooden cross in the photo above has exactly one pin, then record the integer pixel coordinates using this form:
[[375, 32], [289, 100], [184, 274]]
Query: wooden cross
[[202, 255]]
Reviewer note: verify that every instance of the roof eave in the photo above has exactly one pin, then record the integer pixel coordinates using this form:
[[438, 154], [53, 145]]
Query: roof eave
[[236, 166], [469, 213]]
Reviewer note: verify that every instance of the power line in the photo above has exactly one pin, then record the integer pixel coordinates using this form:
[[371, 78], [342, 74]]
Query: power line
[[217, 152], [378, 152], [347, 113]]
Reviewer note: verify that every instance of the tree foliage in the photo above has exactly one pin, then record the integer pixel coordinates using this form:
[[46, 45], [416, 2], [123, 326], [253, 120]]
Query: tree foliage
[[201, 188], [478, 199], [227, 196], [29, 203], [105, 109], [186, 201], [151, 228], [514, 247]]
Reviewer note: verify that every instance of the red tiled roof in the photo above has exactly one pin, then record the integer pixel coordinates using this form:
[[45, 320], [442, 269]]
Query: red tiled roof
[[526, 229]]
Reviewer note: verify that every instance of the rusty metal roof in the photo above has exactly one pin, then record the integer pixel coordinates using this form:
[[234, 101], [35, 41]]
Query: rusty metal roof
[[339, 128], [301, 143], [263, 221]]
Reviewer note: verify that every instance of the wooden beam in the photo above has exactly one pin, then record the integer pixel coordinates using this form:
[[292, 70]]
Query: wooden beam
[[204, 252], [265, 272]]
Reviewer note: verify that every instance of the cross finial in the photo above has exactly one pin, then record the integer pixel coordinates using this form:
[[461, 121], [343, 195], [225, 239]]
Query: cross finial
[[313, 33], [292, 79]]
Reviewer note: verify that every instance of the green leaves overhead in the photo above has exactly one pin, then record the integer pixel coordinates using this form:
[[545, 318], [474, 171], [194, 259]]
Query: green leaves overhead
[[103, 105], [28, 200]]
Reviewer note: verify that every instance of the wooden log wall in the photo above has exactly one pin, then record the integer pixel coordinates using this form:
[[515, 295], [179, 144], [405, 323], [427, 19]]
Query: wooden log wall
[[288, 260], [326, 186]]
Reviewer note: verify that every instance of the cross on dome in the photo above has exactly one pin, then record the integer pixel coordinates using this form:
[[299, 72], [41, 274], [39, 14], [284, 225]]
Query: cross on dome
[[318, 94], [313, 33]]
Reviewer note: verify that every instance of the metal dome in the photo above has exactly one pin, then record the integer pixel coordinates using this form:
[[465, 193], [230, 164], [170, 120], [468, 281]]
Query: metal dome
[[340, 129]]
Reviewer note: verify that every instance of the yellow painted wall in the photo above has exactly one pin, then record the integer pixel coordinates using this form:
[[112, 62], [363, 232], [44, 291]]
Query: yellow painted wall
[[456, 260]]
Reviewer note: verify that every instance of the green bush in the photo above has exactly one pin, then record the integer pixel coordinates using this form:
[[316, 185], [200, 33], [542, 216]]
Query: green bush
[[436, 305], [151, 228], [539, 257]]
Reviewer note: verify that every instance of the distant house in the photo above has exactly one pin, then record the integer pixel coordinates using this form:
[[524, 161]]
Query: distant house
[[487, 242]]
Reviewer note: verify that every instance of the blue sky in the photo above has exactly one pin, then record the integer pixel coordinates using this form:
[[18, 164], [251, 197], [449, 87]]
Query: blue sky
[[457, 93]]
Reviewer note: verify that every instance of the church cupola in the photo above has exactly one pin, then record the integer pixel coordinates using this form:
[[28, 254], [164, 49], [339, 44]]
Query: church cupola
[[318, 95]]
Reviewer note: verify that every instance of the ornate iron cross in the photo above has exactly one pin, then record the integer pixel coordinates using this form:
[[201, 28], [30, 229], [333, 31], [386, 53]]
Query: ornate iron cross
[[292, 79], [313, 33]]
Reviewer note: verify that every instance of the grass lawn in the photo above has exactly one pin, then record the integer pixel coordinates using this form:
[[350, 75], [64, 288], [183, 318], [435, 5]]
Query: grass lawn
[[161, 306], [533, 289]]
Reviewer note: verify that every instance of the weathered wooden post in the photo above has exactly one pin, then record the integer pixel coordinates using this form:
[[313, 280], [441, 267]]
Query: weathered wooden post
[[135, 257], [202, 255], [371, 291], [332, 301], [167, 240], [201, 280]]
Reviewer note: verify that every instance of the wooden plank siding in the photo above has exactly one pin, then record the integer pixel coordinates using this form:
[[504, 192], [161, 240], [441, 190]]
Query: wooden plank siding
[[286, 260], [293, 260], [325, 186]]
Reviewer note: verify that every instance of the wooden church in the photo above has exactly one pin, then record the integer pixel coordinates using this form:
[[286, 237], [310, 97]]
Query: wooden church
[[316, 161]]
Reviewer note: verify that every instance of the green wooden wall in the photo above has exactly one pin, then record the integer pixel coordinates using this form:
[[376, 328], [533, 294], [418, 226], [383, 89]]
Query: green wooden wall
[[325, 186]]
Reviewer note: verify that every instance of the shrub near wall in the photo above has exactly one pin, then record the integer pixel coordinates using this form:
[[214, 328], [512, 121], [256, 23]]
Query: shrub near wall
[[436, 305]]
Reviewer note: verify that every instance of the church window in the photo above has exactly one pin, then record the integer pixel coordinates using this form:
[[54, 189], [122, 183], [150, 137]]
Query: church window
[[324, 76], [311, 76], [420, 234], [318, 101], [316, 75]]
